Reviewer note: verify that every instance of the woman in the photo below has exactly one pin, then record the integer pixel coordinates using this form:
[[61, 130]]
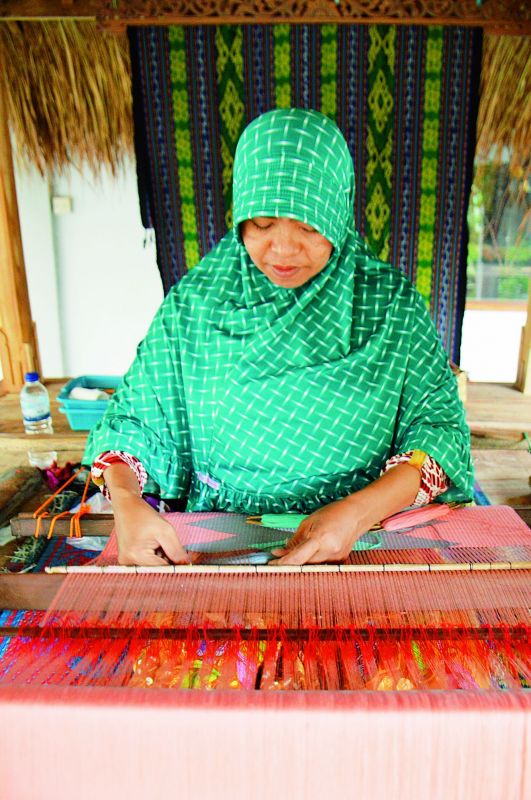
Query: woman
[[289, 371]]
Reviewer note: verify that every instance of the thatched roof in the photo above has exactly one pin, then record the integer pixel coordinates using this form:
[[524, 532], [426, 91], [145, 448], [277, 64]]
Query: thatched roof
[[504, 118], [69, 93]]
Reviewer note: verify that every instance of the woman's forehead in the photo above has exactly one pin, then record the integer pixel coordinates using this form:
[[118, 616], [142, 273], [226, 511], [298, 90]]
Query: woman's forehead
[[295, 164], [280, 219]]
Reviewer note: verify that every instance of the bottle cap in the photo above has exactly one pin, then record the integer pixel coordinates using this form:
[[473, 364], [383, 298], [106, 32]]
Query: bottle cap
[[31, 377]]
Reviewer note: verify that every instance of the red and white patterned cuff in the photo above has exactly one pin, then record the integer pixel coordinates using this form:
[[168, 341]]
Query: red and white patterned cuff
[[114, 457], [433, 479]]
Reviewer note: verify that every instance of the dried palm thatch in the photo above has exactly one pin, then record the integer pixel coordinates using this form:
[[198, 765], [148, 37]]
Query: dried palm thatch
[[69, 94], [504, 118]]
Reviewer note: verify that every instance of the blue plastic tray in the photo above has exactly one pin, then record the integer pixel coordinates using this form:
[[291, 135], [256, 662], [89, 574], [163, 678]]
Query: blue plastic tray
[[82, 415]]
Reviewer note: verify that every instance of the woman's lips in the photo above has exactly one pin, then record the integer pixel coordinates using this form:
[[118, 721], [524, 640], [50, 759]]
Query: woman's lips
[[283, 271]]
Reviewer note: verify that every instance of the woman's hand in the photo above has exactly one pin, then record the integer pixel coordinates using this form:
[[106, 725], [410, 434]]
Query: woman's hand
[[326, 535], [329, 533], [144, 538]]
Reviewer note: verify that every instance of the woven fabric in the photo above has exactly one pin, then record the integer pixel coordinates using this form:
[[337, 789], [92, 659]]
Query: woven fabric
[[466, 535], [404, 97], [247, 396]]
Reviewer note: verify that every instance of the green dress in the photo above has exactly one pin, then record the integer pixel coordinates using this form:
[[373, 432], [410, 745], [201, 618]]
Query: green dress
[[249, 397]]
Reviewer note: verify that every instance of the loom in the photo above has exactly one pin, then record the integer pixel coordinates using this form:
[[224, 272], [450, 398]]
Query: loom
[[404, 672]]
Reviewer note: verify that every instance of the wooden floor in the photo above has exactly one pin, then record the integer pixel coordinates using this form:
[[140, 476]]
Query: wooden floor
[[498, 416]]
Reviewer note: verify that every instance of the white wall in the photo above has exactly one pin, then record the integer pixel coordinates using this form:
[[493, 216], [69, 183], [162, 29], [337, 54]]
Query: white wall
[[37, 238], [491, 344], [93, 285]]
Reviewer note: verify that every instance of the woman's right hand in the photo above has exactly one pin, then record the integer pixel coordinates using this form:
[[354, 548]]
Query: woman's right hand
[[144, 538]]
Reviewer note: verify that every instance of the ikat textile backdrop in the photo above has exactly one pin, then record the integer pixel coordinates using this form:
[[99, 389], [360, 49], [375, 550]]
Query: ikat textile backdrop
[[404, 97]]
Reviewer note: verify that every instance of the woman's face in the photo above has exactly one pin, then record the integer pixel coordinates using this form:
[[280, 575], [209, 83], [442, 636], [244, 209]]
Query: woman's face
[[287, 251]]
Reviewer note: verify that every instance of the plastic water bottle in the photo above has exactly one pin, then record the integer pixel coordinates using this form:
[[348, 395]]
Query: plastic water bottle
[[35, 405]]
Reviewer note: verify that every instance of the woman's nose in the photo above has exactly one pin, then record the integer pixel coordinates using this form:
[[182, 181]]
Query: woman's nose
[[285, 240]]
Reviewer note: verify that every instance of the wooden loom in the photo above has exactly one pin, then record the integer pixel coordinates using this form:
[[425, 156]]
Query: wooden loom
[[97, 659]]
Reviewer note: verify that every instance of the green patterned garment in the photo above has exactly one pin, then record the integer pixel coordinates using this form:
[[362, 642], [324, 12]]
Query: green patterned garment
[[249, 397]]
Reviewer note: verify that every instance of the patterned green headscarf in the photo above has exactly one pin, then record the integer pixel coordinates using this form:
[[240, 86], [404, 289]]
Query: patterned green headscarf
[[250, 397]]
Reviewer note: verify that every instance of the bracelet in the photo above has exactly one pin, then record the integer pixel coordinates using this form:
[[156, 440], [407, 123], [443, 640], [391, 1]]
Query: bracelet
[[417, 459]]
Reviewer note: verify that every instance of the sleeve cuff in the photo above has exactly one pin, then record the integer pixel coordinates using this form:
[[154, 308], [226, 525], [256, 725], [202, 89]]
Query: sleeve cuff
[[114, 457], [433, 479]]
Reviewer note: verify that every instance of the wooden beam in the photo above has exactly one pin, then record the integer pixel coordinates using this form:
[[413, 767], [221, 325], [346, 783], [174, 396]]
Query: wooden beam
[[74, 442], [500, 430], [523, 379], [91, 525], [499, 16], [30, 592], [18, 346]]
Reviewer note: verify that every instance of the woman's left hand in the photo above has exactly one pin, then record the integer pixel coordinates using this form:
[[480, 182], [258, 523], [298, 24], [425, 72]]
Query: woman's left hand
[[329, 533], [326, 535]]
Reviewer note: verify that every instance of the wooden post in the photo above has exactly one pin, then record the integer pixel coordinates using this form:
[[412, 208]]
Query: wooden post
[[18, 345], [523, 380]]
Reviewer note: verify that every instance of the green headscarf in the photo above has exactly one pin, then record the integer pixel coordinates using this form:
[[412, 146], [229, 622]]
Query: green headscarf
[[246, 396]]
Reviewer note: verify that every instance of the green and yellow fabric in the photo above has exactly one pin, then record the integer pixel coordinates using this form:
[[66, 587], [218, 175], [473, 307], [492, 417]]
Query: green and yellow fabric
[[245, 396]]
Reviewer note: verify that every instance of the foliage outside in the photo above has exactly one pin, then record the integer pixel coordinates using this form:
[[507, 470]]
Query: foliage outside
[[499, 221]]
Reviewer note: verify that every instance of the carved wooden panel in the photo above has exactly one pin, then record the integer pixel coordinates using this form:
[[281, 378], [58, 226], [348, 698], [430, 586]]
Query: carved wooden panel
[[503, 15]]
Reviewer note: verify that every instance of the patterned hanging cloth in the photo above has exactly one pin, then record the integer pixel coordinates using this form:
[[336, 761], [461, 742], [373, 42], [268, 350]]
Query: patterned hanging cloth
[[246, 396], [405, 98]]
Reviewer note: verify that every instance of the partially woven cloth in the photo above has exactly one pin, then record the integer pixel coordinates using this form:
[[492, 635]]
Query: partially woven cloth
[[404, 97]]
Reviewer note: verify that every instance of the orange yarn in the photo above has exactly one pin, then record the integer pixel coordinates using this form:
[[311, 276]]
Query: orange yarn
[[75, 526]]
